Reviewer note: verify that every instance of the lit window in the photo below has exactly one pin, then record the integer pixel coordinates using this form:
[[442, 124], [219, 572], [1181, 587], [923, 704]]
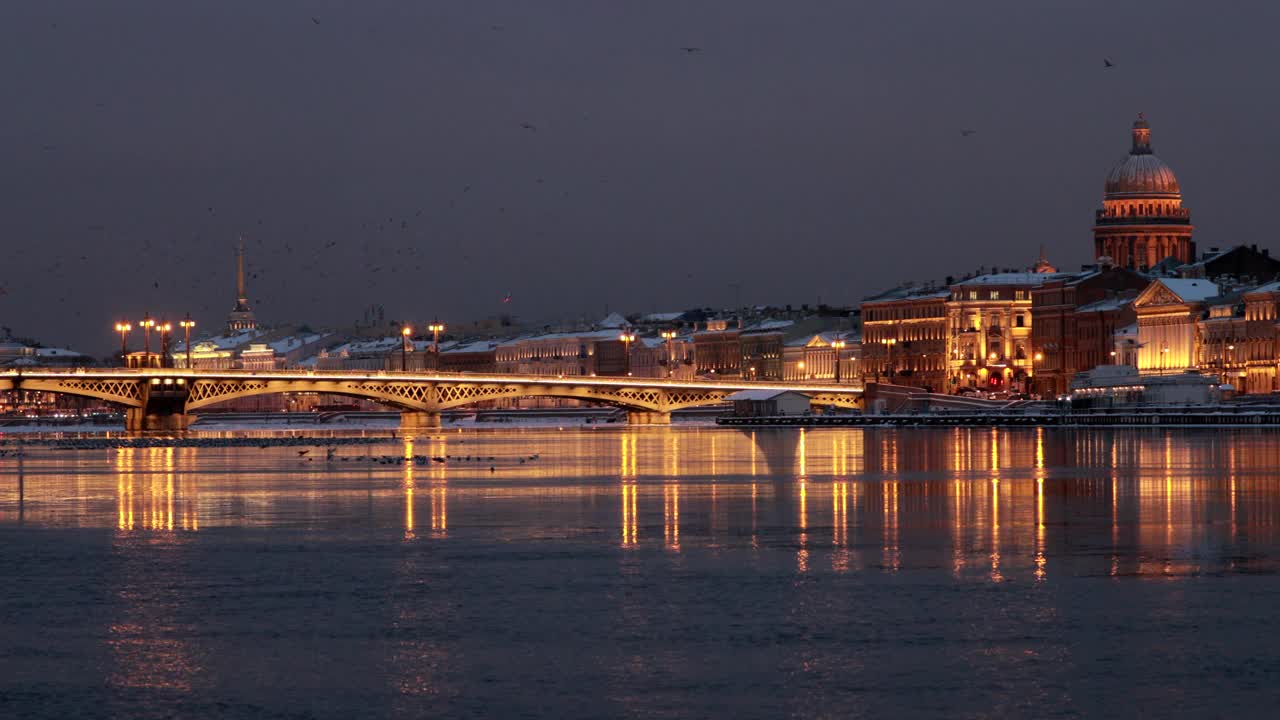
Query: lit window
[[995, 294]]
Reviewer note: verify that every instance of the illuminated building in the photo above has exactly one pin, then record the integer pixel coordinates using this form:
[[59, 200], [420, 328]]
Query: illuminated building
[[813, 357], [1261, 350], [717, 350], [1221, 339], [593, 352], [904, 338], [760, 347], [989, 321], [1168, 313], [241, 317], [260, 356], [1142, 221], [1074, 320]]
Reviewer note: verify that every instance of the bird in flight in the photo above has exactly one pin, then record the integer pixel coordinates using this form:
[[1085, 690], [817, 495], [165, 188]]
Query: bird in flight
[[1106, 63], [967, 133], [691, 50], [315, 20], [529, 126]]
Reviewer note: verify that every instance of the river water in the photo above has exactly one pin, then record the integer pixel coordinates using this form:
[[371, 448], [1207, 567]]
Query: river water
[[649, 572]]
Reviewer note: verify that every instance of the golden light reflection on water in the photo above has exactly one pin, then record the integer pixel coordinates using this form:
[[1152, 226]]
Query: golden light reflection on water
[[152, 493], [990, 504], [671, 516], [408, 489]]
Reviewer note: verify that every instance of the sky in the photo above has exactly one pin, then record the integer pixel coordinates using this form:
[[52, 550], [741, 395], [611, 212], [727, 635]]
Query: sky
[[436, 156]]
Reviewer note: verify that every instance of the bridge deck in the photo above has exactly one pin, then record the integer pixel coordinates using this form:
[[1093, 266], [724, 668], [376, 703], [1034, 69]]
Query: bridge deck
[[612, 381]]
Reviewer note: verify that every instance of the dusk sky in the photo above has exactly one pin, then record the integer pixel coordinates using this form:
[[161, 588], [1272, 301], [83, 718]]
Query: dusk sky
[[435, 156]]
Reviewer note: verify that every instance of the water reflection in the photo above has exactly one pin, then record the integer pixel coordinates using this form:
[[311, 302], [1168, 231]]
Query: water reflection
[[989, 504]]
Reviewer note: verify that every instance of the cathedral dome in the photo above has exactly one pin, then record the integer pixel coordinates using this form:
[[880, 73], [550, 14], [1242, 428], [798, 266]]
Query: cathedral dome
[[1142, 174]]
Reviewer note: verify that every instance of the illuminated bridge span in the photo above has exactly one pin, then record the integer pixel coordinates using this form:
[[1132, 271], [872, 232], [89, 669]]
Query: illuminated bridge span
[[164, 399]]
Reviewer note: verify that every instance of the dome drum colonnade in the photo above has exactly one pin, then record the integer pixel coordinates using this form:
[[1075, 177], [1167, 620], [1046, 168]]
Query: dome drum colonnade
[[1142, 221]]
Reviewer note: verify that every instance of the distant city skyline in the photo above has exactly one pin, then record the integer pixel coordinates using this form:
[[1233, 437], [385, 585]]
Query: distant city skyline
[[438, 159]]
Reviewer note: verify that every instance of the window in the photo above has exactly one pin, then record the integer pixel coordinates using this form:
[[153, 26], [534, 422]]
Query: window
[[973, 294], [1020, 295], [1019, 321], [995, 294]]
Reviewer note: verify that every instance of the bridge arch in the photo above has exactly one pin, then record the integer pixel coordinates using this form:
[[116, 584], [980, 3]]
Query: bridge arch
[[127, 391]]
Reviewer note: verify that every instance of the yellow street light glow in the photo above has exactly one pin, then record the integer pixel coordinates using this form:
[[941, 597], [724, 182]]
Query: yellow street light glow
[[406, 331], [1040, 356]]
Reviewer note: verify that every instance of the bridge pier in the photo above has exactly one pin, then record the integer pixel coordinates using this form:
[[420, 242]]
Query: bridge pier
[[164, 408], [419, 420], [140, 420], [648, 417]]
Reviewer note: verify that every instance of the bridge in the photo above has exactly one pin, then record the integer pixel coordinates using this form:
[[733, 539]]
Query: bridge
[[159, 399]]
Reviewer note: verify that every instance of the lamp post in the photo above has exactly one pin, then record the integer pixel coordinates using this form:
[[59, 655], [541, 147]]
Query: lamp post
[[1035, 359], [187, 323], [146, 325], [888, 364], [668, 336], [837, 346], [627, 338], [405, 332], [164, 329], [123, 328], [436, 327]]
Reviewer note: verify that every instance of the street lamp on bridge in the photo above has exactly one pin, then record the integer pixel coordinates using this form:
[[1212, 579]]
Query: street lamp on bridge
[[123, 328], [436, 327], [405, 332], [837, 346], [668, 336], [187, 323], [627, 338], [164, 329], [146, 325]]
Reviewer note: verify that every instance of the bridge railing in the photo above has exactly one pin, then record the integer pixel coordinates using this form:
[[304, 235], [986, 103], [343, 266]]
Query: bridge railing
[[301, 373]]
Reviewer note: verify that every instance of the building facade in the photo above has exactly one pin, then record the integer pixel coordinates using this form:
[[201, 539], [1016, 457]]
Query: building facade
[[1142, 221], [989, 328], [1168, 317], [813, 358], [905, 337], [1073, 320]]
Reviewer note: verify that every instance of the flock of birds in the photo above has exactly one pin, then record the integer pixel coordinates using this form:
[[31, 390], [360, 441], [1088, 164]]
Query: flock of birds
[[383, 258], [18, 448]]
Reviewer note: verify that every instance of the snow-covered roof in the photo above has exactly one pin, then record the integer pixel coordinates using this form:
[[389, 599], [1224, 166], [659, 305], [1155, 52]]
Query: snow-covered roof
[[478, 346], [1267, 288], [550, 337], [1190, 290], [1016, 278], [1105, 305], [224, 342], [612, 320], [663, 317], [769, 326], [293, 342], [908, 292], [57, 352], [826, 337]]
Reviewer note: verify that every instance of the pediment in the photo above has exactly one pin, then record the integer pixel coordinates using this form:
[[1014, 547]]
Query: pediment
[[1157, 294]]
